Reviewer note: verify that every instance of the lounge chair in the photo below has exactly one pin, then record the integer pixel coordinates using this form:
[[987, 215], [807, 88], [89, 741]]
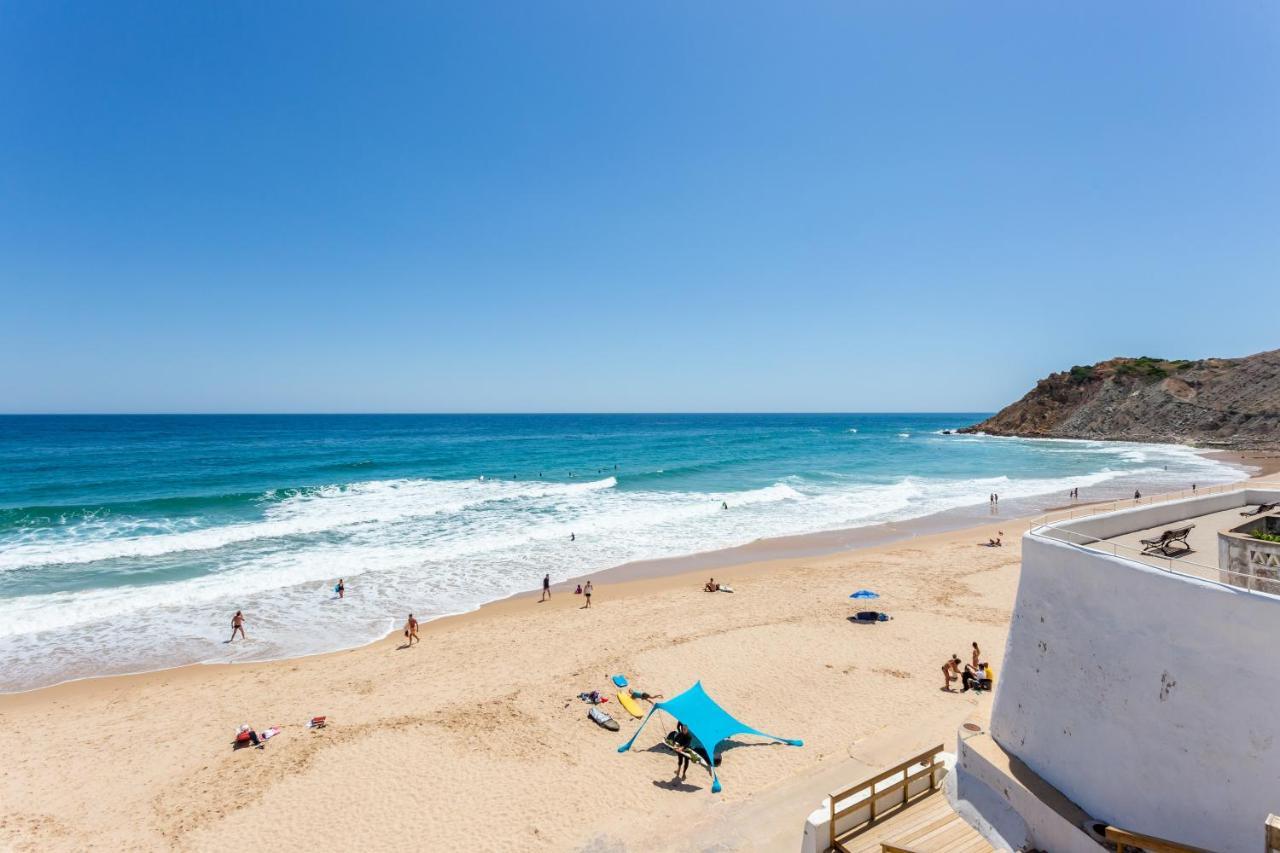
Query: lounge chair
[[1167, 540], [1262, 508]]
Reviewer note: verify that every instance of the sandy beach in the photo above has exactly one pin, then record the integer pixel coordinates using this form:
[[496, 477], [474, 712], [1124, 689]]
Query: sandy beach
[[474, 739]]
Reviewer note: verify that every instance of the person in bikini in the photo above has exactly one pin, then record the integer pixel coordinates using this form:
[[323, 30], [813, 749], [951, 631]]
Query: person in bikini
[[951, 671], [411, 631]]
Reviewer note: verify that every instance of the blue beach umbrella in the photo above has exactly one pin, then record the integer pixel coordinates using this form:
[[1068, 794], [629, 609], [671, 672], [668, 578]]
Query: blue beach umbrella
[[865, 593]]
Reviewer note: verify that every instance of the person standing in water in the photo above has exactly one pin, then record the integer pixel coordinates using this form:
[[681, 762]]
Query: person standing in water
[[546, 587], [411, 631], [340, 589], [237, 624], [572, 537], [586, 590]]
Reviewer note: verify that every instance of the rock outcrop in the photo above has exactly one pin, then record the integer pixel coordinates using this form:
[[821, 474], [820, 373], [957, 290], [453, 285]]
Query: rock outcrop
[[1214, 402]]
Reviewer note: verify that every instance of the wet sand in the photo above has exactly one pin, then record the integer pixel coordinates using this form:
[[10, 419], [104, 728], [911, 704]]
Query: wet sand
[[475, 739]]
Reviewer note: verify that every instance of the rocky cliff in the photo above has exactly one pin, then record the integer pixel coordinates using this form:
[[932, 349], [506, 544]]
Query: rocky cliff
[[1218, 402]]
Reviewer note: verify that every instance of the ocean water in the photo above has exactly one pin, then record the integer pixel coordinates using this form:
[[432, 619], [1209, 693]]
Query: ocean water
[[127, 542]]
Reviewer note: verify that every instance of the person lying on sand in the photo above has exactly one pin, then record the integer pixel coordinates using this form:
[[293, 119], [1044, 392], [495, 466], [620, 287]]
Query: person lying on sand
[[951, 671], [996, 543], [411, 631], [648, 697]]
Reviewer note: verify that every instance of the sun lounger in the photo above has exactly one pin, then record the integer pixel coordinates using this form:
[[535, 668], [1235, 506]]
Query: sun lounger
[[1262, 508], [1166, 540]]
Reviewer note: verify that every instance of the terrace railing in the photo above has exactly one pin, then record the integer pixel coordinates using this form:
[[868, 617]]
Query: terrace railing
[[1047, 527]]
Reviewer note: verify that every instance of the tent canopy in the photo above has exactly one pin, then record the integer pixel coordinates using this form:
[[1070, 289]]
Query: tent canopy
[[865, 593], [707, 722]]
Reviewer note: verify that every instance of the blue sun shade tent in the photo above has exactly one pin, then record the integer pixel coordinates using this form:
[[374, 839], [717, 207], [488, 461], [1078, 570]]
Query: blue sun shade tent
[[707, 722], [865, 593]]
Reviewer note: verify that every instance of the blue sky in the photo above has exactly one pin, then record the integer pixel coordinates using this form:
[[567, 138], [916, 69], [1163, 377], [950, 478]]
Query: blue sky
[[846, 206]]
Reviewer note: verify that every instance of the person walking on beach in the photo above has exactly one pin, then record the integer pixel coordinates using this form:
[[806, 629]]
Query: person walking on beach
[[1137, 495], [546, 587], [411, 631], [237, 624], [586, 590], [340, 589]]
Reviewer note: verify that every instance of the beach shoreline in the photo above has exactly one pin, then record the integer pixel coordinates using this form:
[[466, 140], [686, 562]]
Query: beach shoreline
[[816, 544], [488, 695]]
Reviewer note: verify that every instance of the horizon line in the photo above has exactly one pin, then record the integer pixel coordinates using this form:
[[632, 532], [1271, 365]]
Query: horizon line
[[460, 413]]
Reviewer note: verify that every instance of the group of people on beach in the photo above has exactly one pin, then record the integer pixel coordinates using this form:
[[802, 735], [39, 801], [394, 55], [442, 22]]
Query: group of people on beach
[[584, 591], [975, 674]]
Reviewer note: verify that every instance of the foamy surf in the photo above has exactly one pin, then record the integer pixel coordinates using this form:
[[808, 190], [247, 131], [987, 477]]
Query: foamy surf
[[116, 588]]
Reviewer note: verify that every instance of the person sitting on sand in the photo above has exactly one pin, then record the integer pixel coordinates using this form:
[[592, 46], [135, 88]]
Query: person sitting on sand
[[248, 735], [411, 631], [951, 671], [712, 586], [683, 739], [578, 591], [969, 677], [237, 624]]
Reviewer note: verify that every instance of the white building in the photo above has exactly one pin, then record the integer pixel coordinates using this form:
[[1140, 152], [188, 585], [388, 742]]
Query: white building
[[1137, 691]]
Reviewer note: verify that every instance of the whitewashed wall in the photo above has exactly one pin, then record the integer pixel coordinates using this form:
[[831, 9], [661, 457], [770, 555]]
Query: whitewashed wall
[[1151, 700]]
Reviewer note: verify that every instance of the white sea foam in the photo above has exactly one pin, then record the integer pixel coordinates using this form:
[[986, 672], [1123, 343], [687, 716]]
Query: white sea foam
[[438, 547]]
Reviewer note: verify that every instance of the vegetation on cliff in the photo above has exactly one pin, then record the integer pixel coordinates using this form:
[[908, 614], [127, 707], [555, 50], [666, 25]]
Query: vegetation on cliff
[[1220, 402]]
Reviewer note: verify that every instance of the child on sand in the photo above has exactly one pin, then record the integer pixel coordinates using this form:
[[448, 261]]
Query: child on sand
[[411, 630]]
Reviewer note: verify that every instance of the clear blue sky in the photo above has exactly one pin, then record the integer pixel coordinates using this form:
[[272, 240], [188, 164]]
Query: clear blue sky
[[740, 206]]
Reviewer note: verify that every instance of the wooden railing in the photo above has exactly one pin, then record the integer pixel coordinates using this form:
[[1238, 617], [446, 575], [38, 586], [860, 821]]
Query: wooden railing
[[1125, 840], [928, 758]]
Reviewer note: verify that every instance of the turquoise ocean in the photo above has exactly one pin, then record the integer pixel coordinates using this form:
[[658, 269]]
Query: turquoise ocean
[[126, 542]]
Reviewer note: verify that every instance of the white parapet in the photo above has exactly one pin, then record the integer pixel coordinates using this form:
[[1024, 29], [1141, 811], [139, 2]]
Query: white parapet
[[1146, 697]]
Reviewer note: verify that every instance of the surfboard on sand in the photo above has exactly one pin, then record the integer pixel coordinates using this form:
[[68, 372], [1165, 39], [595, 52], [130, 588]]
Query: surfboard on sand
[[625, 700], [603, 720]]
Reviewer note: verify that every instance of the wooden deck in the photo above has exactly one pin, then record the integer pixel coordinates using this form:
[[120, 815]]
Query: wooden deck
[[929, 825]]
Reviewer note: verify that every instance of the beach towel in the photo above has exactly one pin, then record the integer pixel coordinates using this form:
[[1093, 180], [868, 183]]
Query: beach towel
[[619, 681], [270, 733]]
